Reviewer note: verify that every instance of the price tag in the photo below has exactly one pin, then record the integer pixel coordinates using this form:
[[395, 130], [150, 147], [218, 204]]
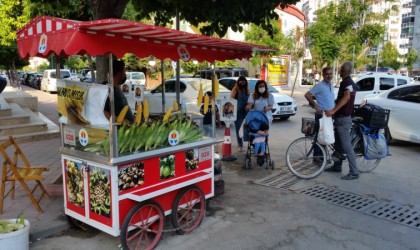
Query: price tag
[[204, 154], [70, 136]]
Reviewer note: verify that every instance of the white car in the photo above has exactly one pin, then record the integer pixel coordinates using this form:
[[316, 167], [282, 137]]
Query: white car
[[135, 78], [189, 88], [284, 105], [49, 80], [404, 105]]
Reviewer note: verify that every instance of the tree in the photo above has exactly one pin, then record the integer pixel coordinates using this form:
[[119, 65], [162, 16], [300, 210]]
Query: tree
[[13, 16], [390, 56], [341, 27], [410, 58]]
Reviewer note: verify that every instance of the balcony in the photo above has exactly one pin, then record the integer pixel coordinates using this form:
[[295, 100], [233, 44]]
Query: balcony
[[407, 25]]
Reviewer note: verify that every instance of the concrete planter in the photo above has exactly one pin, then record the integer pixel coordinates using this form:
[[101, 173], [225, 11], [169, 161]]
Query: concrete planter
[[17, 240]]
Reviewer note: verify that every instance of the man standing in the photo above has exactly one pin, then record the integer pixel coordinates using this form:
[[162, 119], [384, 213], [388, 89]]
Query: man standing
[[324, 95], [120, 100], [342, 122]]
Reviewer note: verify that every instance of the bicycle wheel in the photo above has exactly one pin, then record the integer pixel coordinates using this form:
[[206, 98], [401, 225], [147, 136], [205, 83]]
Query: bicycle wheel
[[301, 161], [363, 165]]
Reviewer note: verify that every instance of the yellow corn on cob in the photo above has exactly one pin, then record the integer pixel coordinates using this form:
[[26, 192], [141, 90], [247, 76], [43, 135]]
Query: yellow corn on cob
[[121, 116], [206, 104], [215, 87], [138, 113], [176, 106], [167, 114], [200, 96], [146, 110]]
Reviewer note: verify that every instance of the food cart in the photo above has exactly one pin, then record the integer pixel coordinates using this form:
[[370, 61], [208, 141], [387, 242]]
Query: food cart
[[124, 179]]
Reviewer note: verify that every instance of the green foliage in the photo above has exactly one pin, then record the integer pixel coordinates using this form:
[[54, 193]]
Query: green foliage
[[76, 62], [217, 16], [390, 56], [410, 58], [342, 27]]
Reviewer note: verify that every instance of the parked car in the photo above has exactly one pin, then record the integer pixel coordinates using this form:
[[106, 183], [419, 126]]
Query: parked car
[[375, 83], [135, 78], [29, 79], [404, 105], [284, 105], [49, 80], [189, 88], [221, 72]]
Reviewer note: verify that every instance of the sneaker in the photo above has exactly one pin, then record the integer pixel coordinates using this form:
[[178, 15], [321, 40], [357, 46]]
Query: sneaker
[[318, 159], [350, 177], [240, 149], [333, 169], [336, 156]]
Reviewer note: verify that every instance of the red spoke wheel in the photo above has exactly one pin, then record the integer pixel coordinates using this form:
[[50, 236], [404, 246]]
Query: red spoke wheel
[[188, 209], [143, 226]]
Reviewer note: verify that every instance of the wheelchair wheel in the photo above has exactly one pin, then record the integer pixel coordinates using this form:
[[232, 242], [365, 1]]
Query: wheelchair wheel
[[301, 161], [248, 162]]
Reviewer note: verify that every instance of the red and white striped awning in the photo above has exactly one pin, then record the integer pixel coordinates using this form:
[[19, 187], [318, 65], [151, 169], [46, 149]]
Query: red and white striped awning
[[46, 35]]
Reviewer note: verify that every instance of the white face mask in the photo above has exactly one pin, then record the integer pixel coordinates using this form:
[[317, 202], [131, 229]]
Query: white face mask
[[261, 90]]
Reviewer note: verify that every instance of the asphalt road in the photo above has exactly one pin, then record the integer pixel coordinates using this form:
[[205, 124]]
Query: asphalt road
[[374, 213]]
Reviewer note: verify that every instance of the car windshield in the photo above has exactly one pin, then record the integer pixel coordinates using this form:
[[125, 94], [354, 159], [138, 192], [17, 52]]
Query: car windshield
[[137, 76], [252, 86]]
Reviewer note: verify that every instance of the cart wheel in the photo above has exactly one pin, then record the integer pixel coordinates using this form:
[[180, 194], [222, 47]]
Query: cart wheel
[[272, 165], [188, 209], [248, 162], [143, 226]]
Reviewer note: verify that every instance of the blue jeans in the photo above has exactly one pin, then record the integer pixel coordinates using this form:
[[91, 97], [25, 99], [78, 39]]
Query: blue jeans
[[342, 125], [208, 130], [258, 146]]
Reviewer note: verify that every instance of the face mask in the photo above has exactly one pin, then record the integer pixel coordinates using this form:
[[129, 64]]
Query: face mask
[[261, 90]]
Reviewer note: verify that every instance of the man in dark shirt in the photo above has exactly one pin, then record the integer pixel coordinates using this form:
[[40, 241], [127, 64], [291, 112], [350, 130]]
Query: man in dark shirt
[[343, 121], [120, 100]]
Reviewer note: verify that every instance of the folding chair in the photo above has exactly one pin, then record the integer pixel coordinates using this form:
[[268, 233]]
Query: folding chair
[[12, 172]]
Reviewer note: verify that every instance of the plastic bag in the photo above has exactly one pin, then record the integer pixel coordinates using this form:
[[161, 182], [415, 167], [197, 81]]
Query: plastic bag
[[326, 131], [375, 143]]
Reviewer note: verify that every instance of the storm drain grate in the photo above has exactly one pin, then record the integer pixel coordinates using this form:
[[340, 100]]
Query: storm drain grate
[[344, 199], [283, 179], [396, 213]]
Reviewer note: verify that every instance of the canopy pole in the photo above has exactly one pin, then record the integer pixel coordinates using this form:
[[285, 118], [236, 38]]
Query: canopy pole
[[162, 70], [177, 88], [213, 106], [113, 143]]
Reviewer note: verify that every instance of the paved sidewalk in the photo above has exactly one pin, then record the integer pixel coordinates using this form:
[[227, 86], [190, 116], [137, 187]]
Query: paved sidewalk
[[40, 153]]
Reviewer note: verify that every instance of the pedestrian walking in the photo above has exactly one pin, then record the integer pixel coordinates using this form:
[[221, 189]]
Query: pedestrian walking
[[241, 93], [261, 99]]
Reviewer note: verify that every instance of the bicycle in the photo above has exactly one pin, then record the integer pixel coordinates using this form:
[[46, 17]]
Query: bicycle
[[300, 157]]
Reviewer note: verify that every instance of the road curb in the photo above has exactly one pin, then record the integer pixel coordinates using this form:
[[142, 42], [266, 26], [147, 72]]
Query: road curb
[[45, 228]]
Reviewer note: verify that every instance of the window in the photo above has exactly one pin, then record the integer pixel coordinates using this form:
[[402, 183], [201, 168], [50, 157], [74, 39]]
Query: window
[[366, 84], [408, 94], [401, 82], [386, 83]]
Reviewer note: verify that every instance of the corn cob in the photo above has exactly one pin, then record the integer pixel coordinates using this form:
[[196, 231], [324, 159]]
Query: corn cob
[[206, 104], [215, 87], [121, 116], [138, 113], [176, 106], [146, 110], [200, 96], [167, 114]]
